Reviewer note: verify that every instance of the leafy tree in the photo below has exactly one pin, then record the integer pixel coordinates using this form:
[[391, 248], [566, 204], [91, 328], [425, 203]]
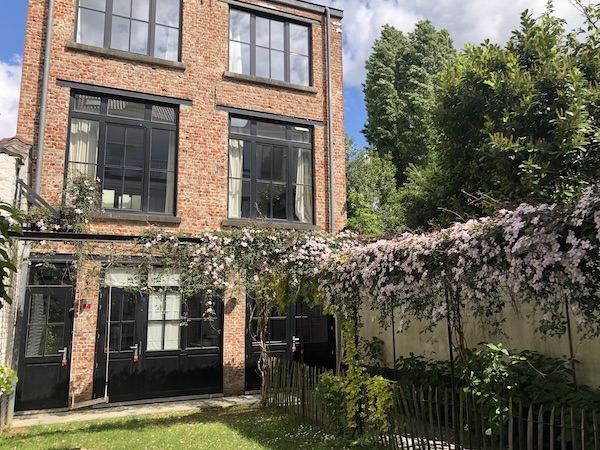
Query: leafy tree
[[399, 92], [372, 198], [517, 124]]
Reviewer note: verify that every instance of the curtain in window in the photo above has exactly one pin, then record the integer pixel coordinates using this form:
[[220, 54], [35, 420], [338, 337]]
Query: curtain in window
[[83, 148], [236, 161], [122, 277], [303, 202]]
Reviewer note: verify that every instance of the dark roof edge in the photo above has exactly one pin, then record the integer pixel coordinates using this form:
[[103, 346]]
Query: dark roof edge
[[312, 7]]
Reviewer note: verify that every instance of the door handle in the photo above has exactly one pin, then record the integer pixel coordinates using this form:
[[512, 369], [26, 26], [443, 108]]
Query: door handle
[[136, 354], [63, 361], [295, 342]]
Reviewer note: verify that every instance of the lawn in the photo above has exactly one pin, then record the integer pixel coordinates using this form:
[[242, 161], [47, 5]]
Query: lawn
[[243, 427]]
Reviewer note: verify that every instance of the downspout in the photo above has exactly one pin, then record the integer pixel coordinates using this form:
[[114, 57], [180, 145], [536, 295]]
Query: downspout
[[330, 124], [46, 75]]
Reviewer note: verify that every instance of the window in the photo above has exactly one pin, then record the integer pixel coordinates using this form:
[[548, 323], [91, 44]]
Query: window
[[269, 48], [147, 27], [270, 171], [129, 146]]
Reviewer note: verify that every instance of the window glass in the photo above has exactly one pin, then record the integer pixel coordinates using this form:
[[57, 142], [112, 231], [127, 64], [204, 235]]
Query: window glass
[[90, 27], [167, 12], [131, 25], [265, 47], [125, 108], [271, 130], [139, 157], [270, 179]]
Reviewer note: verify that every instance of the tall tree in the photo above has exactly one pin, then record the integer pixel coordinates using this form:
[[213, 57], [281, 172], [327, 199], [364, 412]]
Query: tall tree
[[399, 92], [371, 195], [517, 123]]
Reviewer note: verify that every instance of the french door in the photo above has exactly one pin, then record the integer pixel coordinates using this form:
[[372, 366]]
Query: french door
[[156, 345], [45, 346]]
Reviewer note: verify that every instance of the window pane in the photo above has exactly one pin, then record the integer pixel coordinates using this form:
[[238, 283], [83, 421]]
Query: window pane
[[277, 39], [134, 150], [262, 32], [239, 26], [171, 335], [303, 166], [262, 62], [46, 275], [279, 164], [38, 308], [167, 12], [172, 306], [162, 151], [271, 130], [299, 70], [155, 331], [56, 310], [166, 43], [54, 339], [157, 193], [159, 276], [119, 37], [122, 8], [298, 39], [278, 329], [163, 114], [132, 190], [115, 333], [239, 57], [156, 306], [277, 65], [194, 336], [100, 5], [35, 340], [127, 336], [246, 169], [90, 27], [87, 103], [141, 10], [125, 108], [241, 126], [129, 302], [246, 205], [139, 37], [83, 147], [300, 134], [264, 162], [279, 201], [263, 200]]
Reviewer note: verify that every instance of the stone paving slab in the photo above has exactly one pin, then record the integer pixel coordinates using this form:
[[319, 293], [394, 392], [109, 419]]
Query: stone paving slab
[[28, 419]]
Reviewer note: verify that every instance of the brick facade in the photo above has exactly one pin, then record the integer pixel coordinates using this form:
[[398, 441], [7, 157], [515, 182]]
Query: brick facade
[[202, 78]]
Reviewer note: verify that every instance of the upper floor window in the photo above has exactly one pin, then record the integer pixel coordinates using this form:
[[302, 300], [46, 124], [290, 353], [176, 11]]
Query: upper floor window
[[147, 27], [270, 171], [269, 48], [129, 146]]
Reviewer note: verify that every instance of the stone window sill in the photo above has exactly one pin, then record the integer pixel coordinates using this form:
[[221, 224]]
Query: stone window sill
[[269, 82], [119, 54], [243, 223], [115, 216]]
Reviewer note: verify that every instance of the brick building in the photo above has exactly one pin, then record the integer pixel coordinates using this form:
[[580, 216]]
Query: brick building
[[194, 115]]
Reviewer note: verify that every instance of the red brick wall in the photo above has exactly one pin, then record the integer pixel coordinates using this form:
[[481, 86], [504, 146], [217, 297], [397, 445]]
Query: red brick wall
[[203, 130], [234, 343]]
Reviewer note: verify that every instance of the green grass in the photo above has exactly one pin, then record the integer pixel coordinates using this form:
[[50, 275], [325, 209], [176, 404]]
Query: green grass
[[243, 427]]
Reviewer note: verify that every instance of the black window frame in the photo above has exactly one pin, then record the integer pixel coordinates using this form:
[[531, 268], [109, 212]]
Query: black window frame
[[103, 118], [287, 51], [152, 24], [254, 140]]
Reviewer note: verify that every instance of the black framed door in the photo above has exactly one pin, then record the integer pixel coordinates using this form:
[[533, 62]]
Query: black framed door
[[158, 346], [45, 347], [302, 333]]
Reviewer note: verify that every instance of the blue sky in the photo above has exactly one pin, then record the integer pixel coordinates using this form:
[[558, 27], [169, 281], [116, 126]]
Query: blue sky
[[466, 20]]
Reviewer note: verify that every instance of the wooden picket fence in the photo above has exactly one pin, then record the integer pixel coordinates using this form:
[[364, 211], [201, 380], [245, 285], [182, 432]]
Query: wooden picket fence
[[429, 419]]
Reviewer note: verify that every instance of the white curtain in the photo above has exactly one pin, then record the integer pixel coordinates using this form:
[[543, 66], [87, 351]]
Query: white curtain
[[236, 162], [303, 203], [83, 148]]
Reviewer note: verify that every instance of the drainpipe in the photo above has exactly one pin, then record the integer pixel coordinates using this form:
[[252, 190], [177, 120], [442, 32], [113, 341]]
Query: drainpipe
[[42, 124], [330, 124]]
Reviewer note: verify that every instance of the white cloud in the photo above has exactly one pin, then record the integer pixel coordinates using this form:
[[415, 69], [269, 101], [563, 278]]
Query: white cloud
[[466, 20], [10, 82]]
